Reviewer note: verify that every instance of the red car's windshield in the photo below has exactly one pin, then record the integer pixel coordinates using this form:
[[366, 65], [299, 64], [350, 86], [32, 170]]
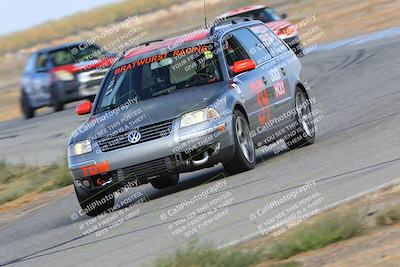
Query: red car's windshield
[[265, 15]]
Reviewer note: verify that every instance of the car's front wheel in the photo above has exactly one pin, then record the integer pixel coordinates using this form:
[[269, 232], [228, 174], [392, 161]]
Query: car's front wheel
[[94, 203], [244, 158], [165, 181], [27, 109]]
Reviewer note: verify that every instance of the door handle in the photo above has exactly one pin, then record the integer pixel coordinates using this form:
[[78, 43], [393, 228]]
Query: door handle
[[283, 71], [264, 80]]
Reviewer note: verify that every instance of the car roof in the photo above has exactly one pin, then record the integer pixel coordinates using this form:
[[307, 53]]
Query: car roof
[[190, 39], [176, 42], [58, 47], [241, 10]]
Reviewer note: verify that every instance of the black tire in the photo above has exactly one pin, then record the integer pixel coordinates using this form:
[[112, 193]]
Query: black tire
[[242, 161], [26, 107], [305, 130], [165, 181], [88, 199], [55, 100]]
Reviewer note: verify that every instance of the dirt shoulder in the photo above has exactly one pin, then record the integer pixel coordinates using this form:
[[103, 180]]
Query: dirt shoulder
[[377, 246], [380, 248], [20, 207]]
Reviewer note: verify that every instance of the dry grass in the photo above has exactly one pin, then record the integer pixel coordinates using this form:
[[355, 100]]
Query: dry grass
[[208, 256], [17, 181], [389, 216], [321, 231]]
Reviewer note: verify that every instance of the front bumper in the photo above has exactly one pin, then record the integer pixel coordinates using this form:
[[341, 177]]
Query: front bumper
[[182, 150], [85, 84]]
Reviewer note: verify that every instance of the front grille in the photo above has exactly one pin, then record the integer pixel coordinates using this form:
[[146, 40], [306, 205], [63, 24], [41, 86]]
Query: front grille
[[140, 172], [148, 133], [147, 169]]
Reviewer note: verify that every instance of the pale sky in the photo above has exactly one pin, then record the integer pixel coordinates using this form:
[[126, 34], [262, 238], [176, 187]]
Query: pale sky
[[22, 14]]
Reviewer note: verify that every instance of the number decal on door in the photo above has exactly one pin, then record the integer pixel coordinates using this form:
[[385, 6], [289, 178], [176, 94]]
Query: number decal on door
[[262, 100], [279, 88]]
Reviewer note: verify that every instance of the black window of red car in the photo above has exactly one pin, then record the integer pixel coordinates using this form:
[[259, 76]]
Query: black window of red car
[[267, 15]]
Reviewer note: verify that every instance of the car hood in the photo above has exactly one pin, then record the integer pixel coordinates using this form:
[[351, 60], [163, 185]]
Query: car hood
[[277, 25], [86, 65], [149, 111]]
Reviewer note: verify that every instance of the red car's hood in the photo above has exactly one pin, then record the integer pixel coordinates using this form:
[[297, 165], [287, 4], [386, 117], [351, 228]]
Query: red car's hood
[[277, 26], [87, 65]]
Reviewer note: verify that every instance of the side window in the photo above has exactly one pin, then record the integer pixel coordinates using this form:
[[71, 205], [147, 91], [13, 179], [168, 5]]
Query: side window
[[252, 46], [41, 62], [30, 64], [274, 44], [233, 50]]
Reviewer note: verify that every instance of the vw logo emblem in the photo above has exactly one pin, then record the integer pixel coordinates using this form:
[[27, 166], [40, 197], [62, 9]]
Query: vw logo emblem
[[134, 137]]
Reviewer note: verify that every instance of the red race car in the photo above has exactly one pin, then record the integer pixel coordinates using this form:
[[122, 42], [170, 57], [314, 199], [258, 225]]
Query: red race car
[[283, 28]]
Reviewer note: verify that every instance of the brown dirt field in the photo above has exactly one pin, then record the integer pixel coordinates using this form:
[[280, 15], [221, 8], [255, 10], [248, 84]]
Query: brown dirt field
[[9, 108]]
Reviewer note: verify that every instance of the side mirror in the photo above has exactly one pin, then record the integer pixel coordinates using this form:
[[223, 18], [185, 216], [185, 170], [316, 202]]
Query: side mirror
[[243, 66], [84, 108], [284, 15]]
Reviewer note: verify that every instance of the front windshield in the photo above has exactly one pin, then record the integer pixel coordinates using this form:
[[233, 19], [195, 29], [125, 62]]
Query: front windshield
[[74, 54], [265, 15], [159, 75]]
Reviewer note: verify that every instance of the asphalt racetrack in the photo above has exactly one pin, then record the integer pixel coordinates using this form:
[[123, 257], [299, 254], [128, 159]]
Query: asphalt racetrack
[[357, 149]]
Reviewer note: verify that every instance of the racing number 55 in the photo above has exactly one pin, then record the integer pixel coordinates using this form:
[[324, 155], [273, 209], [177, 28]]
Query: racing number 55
[[260, 89]]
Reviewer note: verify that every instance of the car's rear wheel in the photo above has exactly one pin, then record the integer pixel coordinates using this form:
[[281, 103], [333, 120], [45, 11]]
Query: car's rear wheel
[[94, 203], [56, 102], [305, 130], [27, 109], [165, 181], [244, 158]]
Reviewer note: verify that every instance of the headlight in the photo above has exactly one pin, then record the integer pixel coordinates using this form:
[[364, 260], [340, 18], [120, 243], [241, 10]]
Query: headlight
[[83, 77], [64, 75], [198, 116], [79, 148]]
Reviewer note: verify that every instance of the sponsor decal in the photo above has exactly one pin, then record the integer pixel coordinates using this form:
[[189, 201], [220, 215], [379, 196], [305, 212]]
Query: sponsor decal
[[102, 167], [177, 53], [139, 63]]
